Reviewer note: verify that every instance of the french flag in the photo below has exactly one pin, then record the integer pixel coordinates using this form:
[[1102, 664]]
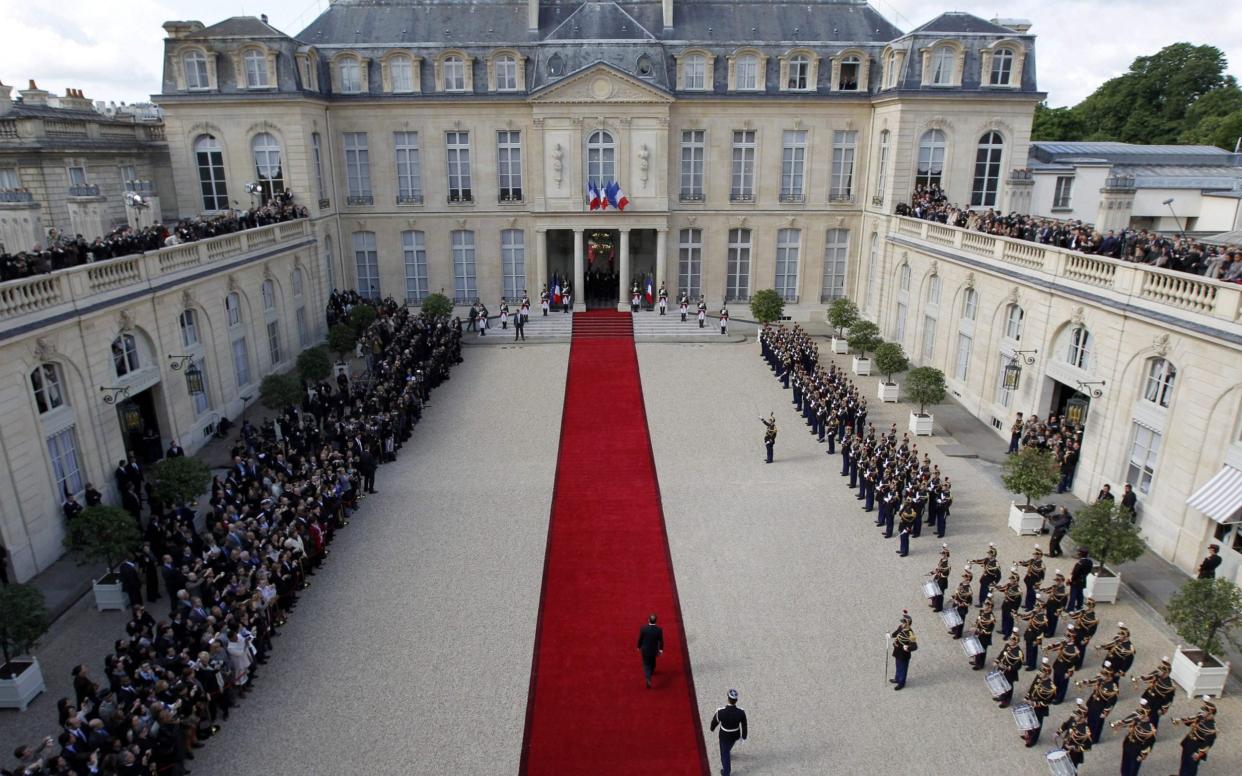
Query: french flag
[[593, 195], [649, 297], [556, 293], [615, 196]]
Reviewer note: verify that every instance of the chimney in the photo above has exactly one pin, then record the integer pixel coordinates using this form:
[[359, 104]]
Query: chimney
[[1020, 26], [668, 14], [177, 29], [34, 95], [6, 100], [75, 100], [532, 15], [263, 18]]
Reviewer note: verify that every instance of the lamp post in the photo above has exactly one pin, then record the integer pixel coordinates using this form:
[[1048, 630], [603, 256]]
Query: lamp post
[[1169, 204]]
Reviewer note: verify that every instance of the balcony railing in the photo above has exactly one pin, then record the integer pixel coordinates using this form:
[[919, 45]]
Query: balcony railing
[[691, 196], [739, 197], [16, 196], [791, 196], [463, 197], [409, 199], [87, 285], [146, 188], [1135, 286], [84, 190], [360, 199]]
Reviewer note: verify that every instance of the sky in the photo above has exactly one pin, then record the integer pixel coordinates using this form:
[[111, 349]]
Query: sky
[[112, 49]]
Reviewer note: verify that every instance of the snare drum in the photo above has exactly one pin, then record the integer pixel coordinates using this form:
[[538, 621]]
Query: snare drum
[[931, 589], [997, 683], [1024, 717], [1060, 764], [971, 646], [950, 618]]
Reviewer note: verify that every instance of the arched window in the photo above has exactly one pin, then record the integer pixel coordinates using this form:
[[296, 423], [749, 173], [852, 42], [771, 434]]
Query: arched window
[[737, 266], [933, 290], [942, 65], [987, 170], [694, 72], [601, 158], [401, 74], [903, 303], [232, 309], [1002, 67], [970, 305], [644, 65], [890, 69], [799, 73], [1013, 322], [195, 65], [746, 73], [296, 281], [366, 261], [209, 159], [506, 72], [188, 321], [873, 269], [125, 354], [931, 316], [350, 73], [1079, 351], [46, 383], [904, 277], [556, 65], [931, 159], [255, 64], [269, 295], [454, 71], [850, 73], [1160, 378], [267, 164], [881, 178]]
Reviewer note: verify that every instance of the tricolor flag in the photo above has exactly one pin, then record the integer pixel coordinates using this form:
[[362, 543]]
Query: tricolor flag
[[556, 292], [603, 196], [593, 195], [649, 299], [615, 196]]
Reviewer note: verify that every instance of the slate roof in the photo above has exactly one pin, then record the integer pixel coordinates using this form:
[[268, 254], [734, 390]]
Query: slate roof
[[600, 21], [957, 22], [1135, 154], [240, 27]]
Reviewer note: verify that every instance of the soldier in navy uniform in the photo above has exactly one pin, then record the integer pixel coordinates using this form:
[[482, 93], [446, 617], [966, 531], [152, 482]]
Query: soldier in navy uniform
[[944, 500], [567, 298], [1140, 736], [684, 304], [904, 643], [769, 435], [940, 575], [724, 320], [732, 723], [907, 519], [663, 299], [1199, 738], [702, 311], [1039, 695], [543, 301]]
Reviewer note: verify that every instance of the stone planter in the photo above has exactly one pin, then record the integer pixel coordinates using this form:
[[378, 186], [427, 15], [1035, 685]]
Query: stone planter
[[1198, 673], [840, 346], [108, 593], [1103, 587], [921, 425], [17, 692], [1024, 522], [888, 392], [862, 366]]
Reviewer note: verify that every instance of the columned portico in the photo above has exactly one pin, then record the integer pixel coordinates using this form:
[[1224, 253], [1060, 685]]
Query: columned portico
[[661, 258], [623, 282], [638, 246], [579, 288]]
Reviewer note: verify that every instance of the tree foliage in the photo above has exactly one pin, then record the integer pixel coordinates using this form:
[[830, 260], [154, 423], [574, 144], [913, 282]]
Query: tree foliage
[[360, 317], [842, 314], [1107, 532], [1205, 612], [864, 338], [767, 305], [1032, 473], [279, 391], [314, 364], [23, 618], [181, 480], [437, 305], [890, 359], [341, 340], [1179, 94], [103, 533], [925, 385]]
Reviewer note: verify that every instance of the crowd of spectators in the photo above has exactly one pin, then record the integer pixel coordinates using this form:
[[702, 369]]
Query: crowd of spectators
[[63, 251], [294, 481], [1133, 245]]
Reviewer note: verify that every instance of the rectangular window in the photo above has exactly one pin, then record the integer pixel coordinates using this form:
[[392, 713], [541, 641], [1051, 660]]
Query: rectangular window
[[1065, 187], [694, 75], [189, 328], [506, 74], [742, 188], [232, 306], [241, 362], [457, 145], [464, 289], [509, 165], [690, 262], [77, 175], [256, 69], [692, 150], [62, 448], [964, 344], [317, 150], [414, 246], [358, 168], [746, 73], [899, 330], [793, 165], [881, 182], [788, 242], [366, 258], [196, 72], [929, 338], [836, 250], [351, 76], [409, 168], [8, 179], [1004, 394], [873, 270], [273, 341], [129, 176], [202, 400], [402, 71], [513, 261], [1143, 456], [454, 74], [303, 328], [737, 270], [843, 144]]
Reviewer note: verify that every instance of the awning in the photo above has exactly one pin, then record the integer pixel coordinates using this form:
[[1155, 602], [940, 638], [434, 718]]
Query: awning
[[1221, 497]]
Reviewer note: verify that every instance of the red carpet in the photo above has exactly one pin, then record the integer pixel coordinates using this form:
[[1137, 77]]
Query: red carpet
[[606, 568]]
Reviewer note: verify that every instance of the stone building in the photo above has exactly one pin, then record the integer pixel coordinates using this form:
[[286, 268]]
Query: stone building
[[68, 167]]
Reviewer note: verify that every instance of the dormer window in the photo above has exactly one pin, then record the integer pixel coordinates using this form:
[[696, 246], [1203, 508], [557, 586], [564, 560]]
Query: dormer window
[[851, 72], [890, 70], [196, 71], [254, 63], [942, 66], [454, 73], [401, 71], [644, 66], [1002, 67], [556, 65], [506, 71], [351, 76], [799, 73], [694, 72], [746, 73]]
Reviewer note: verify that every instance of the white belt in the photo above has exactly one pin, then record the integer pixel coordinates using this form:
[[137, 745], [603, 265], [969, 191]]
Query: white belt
[[729, 730]]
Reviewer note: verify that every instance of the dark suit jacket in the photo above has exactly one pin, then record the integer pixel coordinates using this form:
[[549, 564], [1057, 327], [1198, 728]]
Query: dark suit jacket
[[651, 641]]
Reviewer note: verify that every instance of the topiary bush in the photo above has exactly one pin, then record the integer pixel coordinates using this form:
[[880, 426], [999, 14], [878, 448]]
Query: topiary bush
[[314, 364], [924, 385], [279, 391], [1205, 612], [1107, 533], [864, 338], [341, 340], [767, 305], [181, 480], [890, 359], [437, 306], [1032, 473], [360, 317], [103, 533], [842, 314], [23, 619]]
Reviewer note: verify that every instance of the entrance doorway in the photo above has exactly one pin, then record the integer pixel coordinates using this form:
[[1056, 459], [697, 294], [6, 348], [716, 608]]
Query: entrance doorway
[[140, 427], [603, 248], [1069, 402]]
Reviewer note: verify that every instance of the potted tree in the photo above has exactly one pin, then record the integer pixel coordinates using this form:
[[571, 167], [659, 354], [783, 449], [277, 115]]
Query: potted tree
[[864, 338], [181, 480], [107, 534], [924, 386], [314, 364], [342, 340], [890, 359], [23, 621], [1110, 537], [1204, 613], [767, 305], [436, 305], [1032, 473], [842, 314]]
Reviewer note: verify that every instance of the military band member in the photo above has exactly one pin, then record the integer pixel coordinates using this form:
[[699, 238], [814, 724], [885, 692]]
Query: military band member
[[1086, 623], [702, 311], [724, 320], [888, 508], [1009, 662], [663, 299], [1158, 690], [940, 575], [769, 434], [1119, 651], [1101, 700], [847, 445], [1064, 664], [1074, 735], [908, 518], [961, 602], [985, 623], [1033, 577], [1033, 636], [904, 644], [1199, 737], [684, 304], [1011, 598], [1039, 696], [990, 575], [1140, 736], [1057, 594], [732, 723], [944, 500]]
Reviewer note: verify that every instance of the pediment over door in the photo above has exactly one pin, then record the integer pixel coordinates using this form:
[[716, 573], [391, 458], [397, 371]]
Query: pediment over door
[[600, 84]]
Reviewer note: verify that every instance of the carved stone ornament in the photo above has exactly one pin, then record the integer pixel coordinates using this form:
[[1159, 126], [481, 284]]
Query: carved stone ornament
[[360, 224], [125, 321], [512, 223], [558, 165], [232, 283], [790, 221], [840, 222], [43, 349], [267, 273], [187, 298], [798, 123], [970, 280], [457, 124], [461, 223], [1161, 344], [1013, 295], [741, 222], [411, 222], [1077, 315], [933, 268], [692, 220], [748, 124], [644, 161]]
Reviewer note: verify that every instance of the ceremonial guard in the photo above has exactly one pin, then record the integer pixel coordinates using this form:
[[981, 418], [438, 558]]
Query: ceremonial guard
[[684, 304], [1009, 662], [524, 310], [732, 723], [702, 311], [1011, 599], [1032, 578], [1057, 594], [1065, 663], [943, 501], [543, 301], [908, 518], [635, 300], [904, 643], [1140, 736], [1101, 700], [1033, 636], [961, 602], [1199, 737], [1158, 691], [1085, 624], [1119, 651], [504, 313], [567, 300], [724, 320], [990, 575], [985, 623], [939, 575], [769, 435], [1074, 735], [1039, 696], [663, 299]]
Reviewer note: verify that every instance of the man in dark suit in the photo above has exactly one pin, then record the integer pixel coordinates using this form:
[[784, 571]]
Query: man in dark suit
[[131, 581], [175, 450], [1078, 580], [651, 646], [367, 465], [1129, 501], [1207, 569]]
